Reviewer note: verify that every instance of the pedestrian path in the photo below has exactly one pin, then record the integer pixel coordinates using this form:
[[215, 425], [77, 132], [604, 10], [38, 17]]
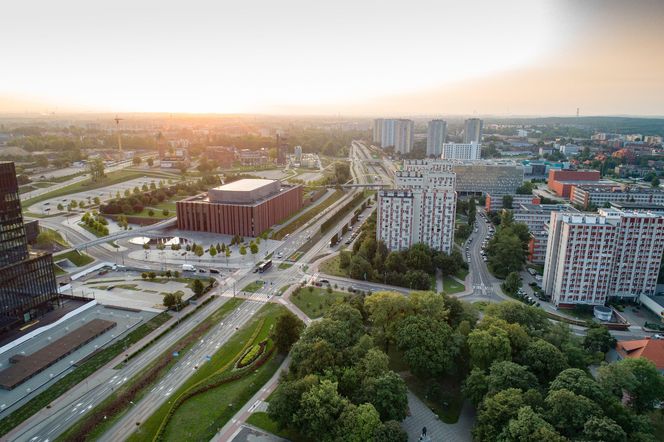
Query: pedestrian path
[[438, 431]]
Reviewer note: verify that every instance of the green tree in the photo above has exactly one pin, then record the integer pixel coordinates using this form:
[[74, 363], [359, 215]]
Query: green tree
[[655, 182], [212, 251], [472, 212], [568, 412], [243, 250], [429, 345], [385, 310], [320, 409], [487, 346], [150, 162], [507, 201], [603, 429], [285, 402], [136, 160], [529, 426], [96, 169], [507, 374], [639, 378], [475, 387], [579, 382], [512, 283], [544, 360], [598, 338], [390, 431], [357, 423], [197, 287], [253, 248], [172, 300], [359, 268], [388, 394], [495, 412], [287, 330]]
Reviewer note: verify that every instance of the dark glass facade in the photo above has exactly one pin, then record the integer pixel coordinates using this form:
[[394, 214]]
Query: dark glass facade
[[27, 281]]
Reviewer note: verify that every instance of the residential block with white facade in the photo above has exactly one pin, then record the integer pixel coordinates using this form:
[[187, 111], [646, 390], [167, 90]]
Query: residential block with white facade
[[591, 257], [421, 209], [461, 151]]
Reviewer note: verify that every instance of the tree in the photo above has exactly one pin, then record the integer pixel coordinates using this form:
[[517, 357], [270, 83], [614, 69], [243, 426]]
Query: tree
[[655, 182], [475, 387], [603, 429], [529, 426], [495, 412], [243, 250], [390, 431], [136, 160], [357, 423], [428, 344], [507, 201], [507, 374], [638, 377], [287, 331], [60, 206], [152, 275], [388, 394], [285, 402], [198, 250], [487, 346], [213, 251], [579, 382], [359, 268], [512, 283], [96, 169], [543, 359], [197, 287], [598, 338], [568, 412], [253, 248], [472, 212], [172, 300], [320, 408], [150, 162], [506, 253], [385, 310]]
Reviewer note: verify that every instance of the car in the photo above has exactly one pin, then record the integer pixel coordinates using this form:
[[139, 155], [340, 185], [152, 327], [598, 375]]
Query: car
[[215, 271], [324, 281], [202, 271], [280, 254]]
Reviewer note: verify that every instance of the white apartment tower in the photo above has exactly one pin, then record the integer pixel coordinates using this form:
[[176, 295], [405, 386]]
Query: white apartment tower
[[461, 151], [387, 132], [591, 257], [404, 131], [421, 209], [472, 132], [377, 130], [436, 135]]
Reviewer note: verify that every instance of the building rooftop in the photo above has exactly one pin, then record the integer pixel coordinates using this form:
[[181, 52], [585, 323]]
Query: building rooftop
[[244, 185], [652, 349]]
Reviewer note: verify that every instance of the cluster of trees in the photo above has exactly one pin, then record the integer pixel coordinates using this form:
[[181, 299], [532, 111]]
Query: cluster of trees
[[67, 148], [529, 381], [339, 386], [525, 189], [135, 201], [507, 249], [370, 260], [95, 222], [334, 143]]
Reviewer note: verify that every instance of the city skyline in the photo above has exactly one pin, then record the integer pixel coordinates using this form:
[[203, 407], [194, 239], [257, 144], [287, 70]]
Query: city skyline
[[295, 58]]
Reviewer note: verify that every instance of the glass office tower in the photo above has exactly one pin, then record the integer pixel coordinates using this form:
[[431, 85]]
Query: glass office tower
[[27, 280]]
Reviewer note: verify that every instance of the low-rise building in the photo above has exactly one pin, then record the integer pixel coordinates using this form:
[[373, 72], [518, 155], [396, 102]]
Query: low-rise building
[[222, 155], [651, 349], [562, 181], [252, 157], [245, 207], [600, 195], [496, 202]]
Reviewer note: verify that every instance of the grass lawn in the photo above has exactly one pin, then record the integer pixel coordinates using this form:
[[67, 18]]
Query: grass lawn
[[262, 420], [77, 258], [59, 271], [91, 230], [295, 256], [461, 274], [315, 301], [450, 285], [305, 215], [200, 417], [481, 305], [331, 267], [127, 287], [79, 374], [284, 266], [253, 287], [283, 289]]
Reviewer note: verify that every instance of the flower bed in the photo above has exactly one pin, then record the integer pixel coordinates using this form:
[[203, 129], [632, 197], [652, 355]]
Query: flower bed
[[251, 355]]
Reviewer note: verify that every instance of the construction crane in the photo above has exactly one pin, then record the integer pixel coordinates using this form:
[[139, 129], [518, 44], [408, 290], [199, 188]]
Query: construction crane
[[117, 126]]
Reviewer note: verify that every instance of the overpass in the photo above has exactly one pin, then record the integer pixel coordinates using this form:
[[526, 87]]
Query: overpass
[[143, 231], [368, 186]]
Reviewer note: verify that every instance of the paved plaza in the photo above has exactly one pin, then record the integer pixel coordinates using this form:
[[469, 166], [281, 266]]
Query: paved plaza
[[437, 430]]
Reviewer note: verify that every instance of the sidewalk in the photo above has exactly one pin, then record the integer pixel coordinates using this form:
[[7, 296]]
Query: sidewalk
[[421, 416]]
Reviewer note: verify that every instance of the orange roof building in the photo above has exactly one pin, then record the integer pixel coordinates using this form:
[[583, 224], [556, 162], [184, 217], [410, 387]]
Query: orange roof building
[[651, 349]]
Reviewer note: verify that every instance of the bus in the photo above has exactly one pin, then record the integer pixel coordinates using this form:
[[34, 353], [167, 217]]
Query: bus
[[264, 266]]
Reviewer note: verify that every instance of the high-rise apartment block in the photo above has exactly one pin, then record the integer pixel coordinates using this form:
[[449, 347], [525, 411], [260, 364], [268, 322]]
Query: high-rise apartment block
[[421, 209], [472, 132], [27, 280], [592, 257], [436, 135], [394, 133], [461, 151], [403, 136]]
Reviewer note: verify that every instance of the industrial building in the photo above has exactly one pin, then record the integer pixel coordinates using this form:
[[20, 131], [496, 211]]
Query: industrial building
[[245, 207]]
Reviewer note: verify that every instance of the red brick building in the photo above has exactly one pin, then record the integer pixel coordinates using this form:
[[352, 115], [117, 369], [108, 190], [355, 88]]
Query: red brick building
[[562, 181], [245, 207]]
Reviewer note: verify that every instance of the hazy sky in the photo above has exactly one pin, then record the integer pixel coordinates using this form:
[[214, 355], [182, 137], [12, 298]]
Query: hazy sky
[[517, 57]]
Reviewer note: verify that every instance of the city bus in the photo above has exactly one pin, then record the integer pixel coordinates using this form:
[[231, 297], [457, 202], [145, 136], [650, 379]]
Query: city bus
[[264, 266]]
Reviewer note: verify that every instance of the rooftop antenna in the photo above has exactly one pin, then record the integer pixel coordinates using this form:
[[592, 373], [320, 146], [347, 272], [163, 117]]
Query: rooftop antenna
[[117, 125]]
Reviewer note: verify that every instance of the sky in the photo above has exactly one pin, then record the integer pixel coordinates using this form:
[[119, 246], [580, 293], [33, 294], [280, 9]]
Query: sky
[[482, 57]]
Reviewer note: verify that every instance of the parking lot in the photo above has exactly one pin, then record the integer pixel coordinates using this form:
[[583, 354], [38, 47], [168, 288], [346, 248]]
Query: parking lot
[[125, 320], [104, 194]]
